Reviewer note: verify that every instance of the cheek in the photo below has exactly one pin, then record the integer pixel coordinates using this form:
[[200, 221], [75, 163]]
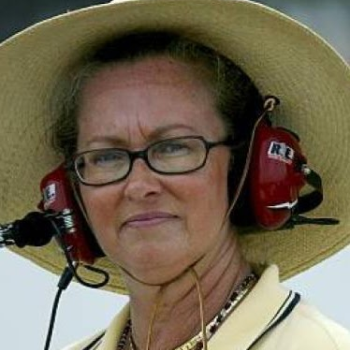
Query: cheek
[[100, 208], [206, 199]]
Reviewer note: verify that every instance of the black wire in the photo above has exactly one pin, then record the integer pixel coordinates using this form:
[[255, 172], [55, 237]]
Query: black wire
[[63, 283], [52, 319], [69, 272], [74, 269]]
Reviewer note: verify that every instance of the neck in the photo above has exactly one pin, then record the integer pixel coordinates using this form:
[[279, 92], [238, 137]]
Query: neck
[[177, 317]]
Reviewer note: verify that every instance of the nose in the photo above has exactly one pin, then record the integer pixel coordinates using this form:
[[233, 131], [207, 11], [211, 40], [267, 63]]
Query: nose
[[142, 183]]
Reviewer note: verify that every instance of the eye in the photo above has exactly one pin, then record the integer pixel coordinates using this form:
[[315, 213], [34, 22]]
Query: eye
[[106, 158], [172, 148]]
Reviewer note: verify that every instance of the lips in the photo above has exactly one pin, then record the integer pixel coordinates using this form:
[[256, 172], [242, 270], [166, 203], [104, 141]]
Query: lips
[[148, 219]]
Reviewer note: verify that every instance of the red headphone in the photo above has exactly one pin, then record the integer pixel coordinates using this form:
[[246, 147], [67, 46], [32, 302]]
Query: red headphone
[[57, 196], [278, 171]]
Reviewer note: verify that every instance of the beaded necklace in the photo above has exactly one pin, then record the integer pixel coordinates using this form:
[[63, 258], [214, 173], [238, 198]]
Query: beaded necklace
[[196, 343], [125, 337]]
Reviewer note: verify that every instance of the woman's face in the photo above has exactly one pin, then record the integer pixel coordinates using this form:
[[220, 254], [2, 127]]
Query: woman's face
[[152, 225]]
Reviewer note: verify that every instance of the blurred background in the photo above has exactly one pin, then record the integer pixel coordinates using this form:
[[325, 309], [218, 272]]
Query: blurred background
[[329, 18], [27, 292]]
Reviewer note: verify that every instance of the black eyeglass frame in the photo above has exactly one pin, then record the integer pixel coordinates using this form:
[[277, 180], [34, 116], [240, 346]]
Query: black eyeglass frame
[[143, 154]]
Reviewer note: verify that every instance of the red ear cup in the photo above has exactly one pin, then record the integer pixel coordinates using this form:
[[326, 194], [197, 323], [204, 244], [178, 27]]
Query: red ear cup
[[275, 176], [58, 196]]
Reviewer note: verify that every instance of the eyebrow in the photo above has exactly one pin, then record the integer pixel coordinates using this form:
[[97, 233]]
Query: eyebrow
[[154, 135]]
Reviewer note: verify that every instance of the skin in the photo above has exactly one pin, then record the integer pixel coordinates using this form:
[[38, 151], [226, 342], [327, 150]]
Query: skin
[[183, 221]]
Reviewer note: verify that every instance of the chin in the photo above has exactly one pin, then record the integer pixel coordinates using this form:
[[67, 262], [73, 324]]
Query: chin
[[156, 272]]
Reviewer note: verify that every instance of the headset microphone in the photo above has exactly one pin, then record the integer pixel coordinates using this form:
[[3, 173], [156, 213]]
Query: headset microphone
[[35, 229]]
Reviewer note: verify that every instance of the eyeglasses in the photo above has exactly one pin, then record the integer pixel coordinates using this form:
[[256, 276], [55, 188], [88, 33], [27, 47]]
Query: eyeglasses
[[173, 156]]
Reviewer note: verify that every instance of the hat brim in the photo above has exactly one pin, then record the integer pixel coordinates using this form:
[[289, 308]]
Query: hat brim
[[283, 57]]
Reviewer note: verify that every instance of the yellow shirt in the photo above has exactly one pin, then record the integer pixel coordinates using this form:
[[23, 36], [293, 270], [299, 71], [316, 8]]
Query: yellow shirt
[[269, 318]]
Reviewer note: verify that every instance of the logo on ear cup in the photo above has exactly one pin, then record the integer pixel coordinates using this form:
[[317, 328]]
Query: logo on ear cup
[[281, 151], [49, 195]]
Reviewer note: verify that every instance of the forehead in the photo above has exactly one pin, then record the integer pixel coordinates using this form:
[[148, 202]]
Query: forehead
[[147, 94], [159, 69]]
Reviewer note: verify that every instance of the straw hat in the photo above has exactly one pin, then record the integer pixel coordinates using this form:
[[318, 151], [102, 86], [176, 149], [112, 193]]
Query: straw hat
[[283, 57]]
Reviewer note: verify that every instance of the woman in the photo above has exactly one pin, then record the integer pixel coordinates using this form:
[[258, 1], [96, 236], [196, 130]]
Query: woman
[[158, 131]]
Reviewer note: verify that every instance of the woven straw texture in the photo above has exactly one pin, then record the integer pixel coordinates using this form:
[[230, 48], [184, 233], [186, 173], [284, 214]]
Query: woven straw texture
[[283, 57]]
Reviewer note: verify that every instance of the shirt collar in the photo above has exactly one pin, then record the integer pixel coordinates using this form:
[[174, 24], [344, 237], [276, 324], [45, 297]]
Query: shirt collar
[[252, 317]]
